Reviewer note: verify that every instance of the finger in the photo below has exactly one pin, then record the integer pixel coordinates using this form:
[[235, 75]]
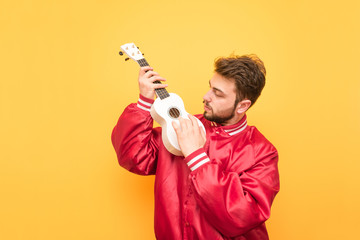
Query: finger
[[193, 121], [158, 85], [175, 126], [195, 124], [151, 73], [197, 127], [148, 74], [157, 78], [182, 123], [143, 70], [188, 123]]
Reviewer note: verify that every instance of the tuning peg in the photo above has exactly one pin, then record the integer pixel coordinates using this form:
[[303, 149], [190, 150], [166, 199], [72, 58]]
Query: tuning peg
[[127, 59], [143, 54], [121, 53], [138, 47]]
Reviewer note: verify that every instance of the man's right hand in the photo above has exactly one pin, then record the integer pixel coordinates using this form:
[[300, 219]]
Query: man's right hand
[[147, 77]]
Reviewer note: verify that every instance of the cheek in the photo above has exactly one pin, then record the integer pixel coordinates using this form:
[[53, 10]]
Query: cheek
[[223, 105], [219, 106]]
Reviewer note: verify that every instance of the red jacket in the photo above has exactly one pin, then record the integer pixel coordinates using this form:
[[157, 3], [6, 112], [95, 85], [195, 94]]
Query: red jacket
[[221, 191]]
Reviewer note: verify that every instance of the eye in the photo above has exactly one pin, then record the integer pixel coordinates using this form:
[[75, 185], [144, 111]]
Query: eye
[[218, 93]]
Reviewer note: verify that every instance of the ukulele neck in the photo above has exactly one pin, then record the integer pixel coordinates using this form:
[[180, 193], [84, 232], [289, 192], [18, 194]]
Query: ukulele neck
[[160, 92]]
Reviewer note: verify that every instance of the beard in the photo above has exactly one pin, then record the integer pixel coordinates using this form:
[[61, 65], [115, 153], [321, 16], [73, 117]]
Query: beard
[[221, 117]]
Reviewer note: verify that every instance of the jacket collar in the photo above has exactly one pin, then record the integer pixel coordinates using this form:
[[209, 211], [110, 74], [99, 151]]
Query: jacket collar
[[233, 129]]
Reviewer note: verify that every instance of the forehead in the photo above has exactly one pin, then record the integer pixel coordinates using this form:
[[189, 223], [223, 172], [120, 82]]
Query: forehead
[[223, 84]]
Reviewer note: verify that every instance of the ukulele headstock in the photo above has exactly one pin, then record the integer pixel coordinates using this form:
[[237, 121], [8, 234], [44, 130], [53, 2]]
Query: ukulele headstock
[[132, 51]]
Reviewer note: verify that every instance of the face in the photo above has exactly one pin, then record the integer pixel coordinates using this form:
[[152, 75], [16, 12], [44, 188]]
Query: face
[[220, 101]]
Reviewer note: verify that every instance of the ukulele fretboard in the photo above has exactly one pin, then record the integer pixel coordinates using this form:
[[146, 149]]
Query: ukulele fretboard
[[160, 92]]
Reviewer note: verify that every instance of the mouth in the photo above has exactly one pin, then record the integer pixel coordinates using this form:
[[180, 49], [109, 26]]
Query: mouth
[[207, 108]]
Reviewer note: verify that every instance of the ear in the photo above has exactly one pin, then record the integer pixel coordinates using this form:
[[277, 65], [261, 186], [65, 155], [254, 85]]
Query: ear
[[243, 106]]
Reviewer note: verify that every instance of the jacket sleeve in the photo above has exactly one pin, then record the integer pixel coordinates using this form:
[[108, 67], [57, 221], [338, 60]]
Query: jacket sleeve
[[134, 139], [235, 203]]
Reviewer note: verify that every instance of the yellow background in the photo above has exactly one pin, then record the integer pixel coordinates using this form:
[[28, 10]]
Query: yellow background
[[63, 86]]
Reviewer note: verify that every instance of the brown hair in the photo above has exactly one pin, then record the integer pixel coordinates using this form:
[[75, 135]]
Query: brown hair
[[248, 71]]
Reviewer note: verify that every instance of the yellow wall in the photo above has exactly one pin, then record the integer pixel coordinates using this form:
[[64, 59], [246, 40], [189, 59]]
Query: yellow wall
[[63, 86]]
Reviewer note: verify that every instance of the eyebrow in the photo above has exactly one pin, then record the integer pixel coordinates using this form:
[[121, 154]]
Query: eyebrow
[[216, 89]]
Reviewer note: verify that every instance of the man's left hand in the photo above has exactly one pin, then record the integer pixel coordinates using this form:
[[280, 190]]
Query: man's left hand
[[190, 135]]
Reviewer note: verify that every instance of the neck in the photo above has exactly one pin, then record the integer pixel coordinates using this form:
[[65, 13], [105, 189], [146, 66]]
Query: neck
[[233, 120]]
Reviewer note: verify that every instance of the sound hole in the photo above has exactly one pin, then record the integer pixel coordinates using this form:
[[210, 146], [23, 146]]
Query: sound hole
[[174, 112]]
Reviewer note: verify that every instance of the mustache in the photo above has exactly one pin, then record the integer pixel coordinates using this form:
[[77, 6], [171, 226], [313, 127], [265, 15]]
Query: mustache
[[206, 104]]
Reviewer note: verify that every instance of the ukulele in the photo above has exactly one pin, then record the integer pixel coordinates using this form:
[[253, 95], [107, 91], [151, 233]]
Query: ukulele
[[167, 107]]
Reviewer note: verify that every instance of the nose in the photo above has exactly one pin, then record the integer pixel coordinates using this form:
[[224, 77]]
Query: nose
[[207, 97]]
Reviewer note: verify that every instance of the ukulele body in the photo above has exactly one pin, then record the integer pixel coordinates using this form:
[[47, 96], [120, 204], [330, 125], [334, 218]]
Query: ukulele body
[[164, 112]]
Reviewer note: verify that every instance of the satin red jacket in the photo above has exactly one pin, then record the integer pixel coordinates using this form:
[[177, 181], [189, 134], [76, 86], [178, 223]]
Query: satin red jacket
[[221, 191]]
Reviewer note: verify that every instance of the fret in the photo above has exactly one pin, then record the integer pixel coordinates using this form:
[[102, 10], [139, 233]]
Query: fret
[[142, 62], [162, 93]]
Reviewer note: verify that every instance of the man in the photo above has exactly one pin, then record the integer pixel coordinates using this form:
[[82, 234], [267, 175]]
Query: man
[[225, 184]]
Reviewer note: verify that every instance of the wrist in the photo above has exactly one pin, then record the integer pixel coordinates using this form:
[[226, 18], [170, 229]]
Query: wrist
[[148, 95], [188, 152]]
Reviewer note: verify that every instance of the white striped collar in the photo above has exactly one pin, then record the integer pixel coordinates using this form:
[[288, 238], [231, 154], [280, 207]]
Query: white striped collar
[[233, 129]]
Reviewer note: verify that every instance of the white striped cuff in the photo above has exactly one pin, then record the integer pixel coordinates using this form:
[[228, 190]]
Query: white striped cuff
[[197, 159], [145, 103]]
